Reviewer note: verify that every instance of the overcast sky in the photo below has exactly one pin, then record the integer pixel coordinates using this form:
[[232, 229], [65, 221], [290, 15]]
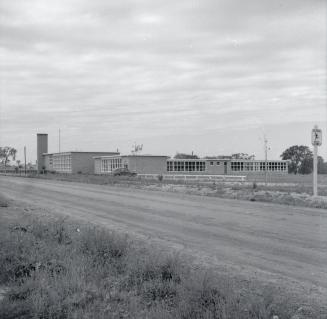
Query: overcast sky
[[209, 76]]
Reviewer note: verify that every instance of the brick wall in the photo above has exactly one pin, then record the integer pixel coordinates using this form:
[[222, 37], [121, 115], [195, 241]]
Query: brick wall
[[84, 162], [147, 164]]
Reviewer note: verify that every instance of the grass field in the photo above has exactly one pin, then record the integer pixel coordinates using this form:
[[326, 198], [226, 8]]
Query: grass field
[[291, 183], [291, 178], [54, 268]]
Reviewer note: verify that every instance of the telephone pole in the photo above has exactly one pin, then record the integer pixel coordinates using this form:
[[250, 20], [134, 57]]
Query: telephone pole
[[59, 140], [266, 156], [25, 159]]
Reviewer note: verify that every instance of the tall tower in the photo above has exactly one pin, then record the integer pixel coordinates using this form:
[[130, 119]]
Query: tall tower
[[42, 147]]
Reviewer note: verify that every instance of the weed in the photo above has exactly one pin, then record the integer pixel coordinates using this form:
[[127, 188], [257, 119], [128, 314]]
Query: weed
[[101, 274], [103, 245]]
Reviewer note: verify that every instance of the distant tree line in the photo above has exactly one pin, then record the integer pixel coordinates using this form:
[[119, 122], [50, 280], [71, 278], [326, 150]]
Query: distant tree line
[[7, 153], [186, 156], [233, 156]]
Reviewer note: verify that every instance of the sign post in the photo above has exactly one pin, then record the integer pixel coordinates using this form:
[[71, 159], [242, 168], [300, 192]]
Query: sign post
[[316, 140]]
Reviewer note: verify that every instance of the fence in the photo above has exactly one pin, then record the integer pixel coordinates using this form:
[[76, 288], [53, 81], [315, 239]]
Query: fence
[[200, 178], [20, 172], [165, 177]]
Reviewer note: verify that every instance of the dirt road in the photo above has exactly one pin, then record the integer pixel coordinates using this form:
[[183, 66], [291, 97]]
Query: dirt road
[[271, 243]]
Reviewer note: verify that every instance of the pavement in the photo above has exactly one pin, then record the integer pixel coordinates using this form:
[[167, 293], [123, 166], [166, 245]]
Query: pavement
[[269, 243]]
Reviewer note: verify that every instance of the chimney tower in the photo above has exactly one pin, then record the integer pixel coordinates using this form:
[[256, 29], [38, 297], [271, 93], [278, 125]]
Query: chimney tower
[[42, 147]]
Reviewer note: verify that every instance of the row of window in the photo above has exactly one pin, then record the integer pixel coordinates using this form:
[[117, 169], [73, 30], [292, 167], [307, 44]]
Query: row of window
[[62, 163], [259, 166], [212, 163], [186, 166], [108, 165]]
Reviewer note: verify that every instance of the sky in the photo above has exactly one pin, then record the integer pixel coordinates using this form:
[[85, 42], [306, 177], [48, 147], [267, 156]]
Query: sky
[[209, 76]]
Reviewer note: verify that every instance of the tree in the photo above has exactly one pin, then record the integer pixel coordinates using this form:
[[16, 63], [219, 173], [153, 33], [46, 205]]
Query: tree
[[218, 157], [244, 156], [186, 156], [300, 157], [306, 166], [324, 170], [322, 166], [6, 153]]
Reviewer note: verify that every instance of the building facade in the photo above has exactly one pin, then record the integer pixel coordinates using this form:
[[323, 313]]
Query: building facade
[[142, 164], [72, 162], [149, 164], [226, 166], [65, 162]]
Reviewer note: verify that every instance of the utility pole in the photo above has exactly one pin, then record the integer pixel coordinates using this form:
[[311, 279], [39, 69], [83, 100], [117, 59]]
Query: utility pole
[[25, 159], [59, 140], [316, 140], [266, 156]]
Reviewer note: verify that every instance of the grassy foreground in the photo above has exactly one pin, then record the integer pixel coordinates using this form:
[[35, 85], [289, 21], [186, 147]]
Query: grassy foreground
[[52, 269]]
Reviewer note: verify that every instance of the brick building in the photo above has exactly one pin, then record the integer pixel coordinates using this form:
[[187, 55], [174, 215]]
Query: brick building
[[65, 162]]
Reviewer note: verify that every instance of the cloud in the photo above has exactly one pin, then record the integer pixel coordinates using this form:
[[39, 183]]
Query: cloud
[[160, 67]]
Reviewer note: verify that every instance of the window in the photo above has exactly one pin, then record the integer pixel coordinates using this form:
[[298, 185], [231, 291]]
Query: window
[[185, 166], [237, 166], [211, 163], [110, 164], [218, 163], [259, 166], [248, 166], [62, 162]]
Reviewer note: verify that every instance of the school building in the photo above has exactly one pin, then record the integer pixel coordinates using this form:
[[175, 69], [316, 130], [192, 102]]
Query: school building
[[65, 162], [106, 162], [141, 164], [161, 165]]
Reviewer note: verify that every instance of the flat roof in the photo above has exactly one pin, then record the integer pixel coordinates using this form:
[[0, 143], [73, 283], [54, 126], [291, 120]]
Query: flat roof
[[224, 159], [145, 155], [69, 152], [271, 160], [200, 159], [190, 159]]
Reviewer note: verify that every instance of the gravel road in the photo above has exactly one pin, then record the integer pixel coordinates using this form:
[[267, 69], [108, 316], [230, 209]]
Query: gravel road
[[276, 244]]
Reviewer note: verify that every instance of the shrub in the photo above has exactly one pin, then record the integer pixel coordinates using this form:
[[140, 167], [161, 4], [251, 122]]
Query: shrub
[[99, 274], [103, 247]]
